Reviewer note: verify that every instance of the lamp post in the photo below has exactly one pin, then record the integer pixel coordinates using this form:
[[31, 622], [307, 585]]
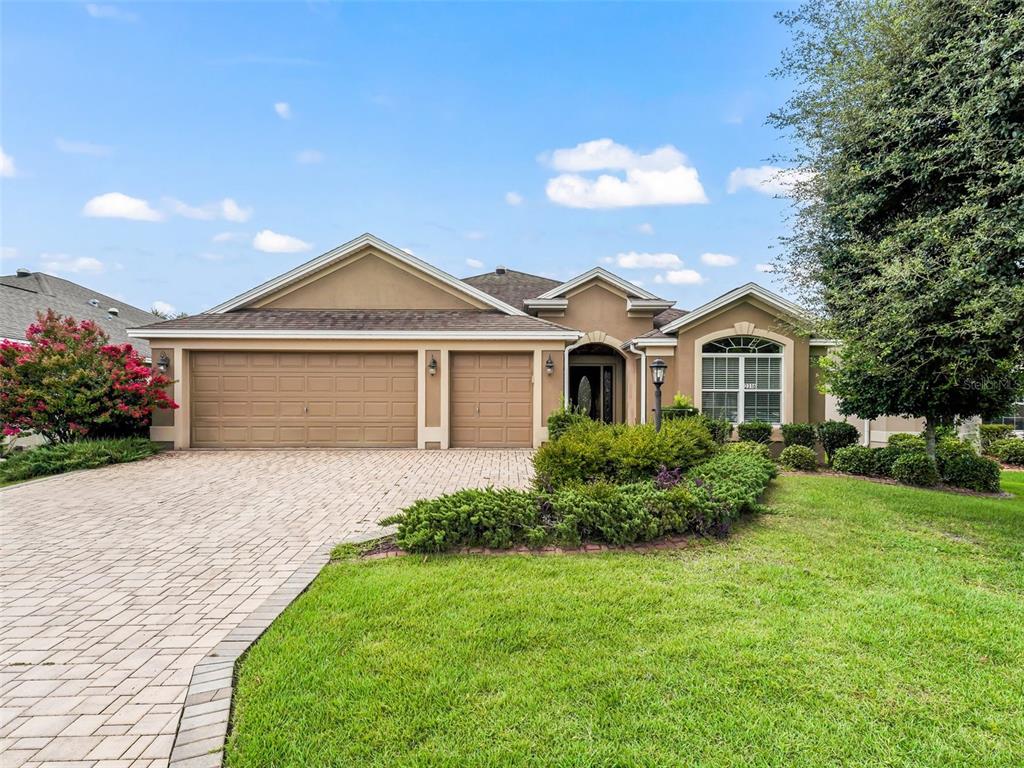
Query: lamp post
[[658, 368]]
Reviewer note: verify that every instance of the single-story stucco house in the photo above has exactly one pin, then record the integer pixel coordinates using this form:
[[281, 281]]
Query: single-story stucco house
[[369, 346]]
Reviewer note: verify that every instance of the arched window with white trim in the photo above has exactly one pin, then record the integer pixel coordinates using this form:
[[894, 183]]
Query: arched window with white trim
[[741, 379]]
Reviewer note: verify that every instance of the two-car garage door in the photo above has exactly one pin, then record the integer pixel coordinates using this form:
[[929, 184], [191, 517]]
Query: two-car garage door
[[353, 399], [316, 399]]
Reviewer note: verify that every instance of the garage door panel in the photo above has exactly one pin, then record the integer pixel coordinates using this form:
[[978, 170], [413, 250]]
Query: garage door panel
[[491, 400], [295, 399]]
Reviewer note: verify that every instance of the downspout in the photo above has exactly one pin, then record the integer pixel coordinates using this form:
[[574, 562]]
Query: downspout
[[643, 380], [867, 433]]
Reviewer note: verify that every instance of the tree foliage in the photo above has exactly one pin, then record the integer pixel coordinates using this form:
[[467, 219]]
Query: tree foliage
[[69, 383], [908, 236]]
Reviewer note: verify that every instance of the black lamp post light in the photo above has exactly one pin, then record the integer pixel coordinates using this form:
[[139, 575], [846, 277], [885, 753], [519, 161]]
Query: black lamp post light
[[658, 368]]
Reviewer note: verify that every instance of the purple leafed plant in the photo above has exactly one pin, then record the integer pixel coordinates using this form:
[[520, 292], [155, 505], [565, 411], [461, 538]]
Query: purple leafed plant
[[667, 478]]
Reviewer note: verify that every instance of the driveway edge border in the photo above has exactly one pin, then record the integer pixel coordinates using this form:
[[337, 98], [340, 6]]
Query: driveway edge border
[[202, 731]]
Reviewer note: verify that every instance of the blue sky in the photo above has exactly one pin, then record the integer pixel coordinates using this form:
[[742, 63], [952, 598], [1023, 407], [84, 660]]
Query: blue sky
[[182, 153]]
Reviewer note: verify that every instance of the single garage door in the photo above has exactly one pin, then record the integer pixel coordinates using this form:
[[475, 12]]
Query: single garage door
[[318, 399], [491, 400]]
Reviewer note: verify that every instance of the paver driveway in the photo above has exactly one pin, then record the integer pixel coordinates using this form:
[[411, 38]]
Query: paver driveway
[[115, 582]]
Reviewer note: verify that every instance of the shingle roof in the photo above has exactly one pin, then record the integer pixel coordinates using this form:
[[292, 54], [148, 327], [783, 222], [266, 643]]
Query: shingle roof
[[22, 297], [511, 286], [379, 320], [667, 316]]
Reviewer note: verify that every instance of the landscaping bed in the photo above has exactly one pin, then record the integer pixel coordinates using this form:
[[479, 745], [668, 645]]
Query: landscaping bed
[[858, 624], [56, 459]]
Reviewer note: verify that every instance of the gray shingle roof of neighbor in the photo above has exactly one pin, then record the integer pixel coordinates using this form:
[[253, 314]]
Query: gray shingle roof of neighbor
[[511, 286], [23, 296], [667, 316], [381, 320]]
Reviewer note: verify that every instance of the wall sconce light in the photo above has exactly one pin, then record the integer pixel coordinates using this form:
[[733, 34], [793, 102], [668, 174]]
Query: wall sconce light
[[432, 365], [163, 363], [549, 366]]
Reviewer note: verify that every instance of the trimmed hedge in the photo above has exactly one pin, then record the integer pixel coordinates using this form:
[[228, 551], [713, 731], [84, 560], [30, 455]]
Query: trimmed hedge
[[706, 502], [566, 416], [592, 451], [720, 429], [834, 435], [963, 468], [1009, 450], [755, 431], [799, 434], [907, 442], [915, 468], [58, 458], [990, 433], [799, 457], [855, 460]]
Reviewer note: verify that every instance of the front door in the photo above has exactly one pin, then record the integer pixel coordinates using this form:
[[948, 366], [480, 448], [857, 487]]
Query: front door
[[591, 388]]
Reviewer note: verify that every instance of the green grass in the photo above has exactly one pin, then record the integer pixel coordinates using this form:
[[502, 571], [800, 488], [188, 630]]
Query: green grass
[[862, 624]]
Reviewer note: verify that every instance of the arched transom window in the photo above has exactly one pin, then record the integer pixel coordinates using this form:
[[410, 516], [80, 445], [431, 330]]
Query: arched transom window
[[741, 379]]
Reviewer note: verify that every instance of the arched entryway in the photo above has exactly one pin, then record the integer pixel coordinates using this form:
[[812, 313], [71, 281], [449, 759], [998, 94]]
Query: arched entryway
[[596, 380]]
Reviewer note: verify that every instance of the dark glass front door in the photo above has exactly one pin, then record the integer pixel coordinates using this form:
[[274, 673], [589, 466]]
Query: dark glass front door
[[591, 388]]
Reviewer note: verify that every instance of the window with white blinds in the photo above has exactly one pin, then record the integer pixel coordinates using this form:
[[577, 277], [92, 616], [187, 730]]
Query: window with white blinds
[[742, 379]]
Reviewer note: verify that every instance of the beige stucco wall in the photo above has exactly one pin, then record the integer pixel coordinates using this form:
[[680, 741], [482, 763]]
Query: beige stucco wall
[[735, 319], [815, 398], [594, 307], [551, 395], [163, 417], [432, 390], [369, 280]]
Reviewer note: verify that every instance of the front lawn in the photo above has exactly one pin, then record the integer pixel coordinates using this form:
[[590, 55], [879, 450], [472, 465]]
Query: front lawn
[[862, 624]]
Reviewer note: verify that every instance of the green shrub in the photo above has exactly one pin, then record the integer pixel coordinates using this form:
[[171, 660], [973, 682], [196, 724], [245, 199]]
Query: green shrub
[[799, 457], [566, 416], [1009, 450], [720, 429], [798, 434], [966, 469], [907, 442], [471, 518], [884, 458], [66, 457], [593, 451], [915, 468], [682, 407], [990, 433], [855, 460], [755, 431], [704, 503], [834, 435], [735, 480], [748, 448]]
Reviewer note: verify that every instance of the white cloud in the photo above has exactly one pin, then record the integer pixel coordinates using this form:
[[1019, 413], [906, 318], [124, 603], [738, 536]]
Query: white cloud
[[114, 205], [636, 260], [164, 308], [82, 148], [309, 157], [661, 177], [474, 263], [513, 198], [718, 259], [766, 179], [98, 11], [228, 237], [680, 277], [475, 234], [410, 251], [61, 262], [7, 169], [645, 228], [226, 209], [637, 283], [272, 242], [764, 268], [283, 109]]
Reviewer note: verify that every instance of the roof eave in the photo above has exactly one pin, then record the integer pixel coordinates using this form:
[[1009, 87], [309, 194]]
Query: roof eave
[[750, 289], [196, 333]]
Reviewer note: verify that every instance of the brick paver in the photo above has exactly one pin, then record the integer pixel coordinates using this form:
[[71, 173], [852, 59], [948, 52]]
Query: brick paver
[[114, 583]]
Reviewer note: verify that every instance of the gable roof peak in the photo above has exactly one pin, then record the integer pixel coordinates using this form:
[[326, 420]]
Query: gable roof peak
[[747, 289], [600, 273], [346, 249]]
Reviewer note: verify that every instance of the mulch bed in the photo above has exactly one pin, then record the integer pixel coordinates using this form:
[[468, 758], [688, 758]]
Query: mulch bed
[[388, 547]]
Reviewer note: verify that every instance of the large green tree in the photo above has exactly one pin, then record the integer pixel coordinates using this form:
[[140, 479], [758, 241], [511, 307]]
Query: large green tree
[[908, 221]]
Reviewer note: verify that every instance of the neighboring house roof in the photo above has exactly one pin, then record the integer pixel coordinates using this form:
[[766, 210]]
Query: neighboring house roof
[[510, 286], [342, 251], [358, 323], [750, 289], [22, 297]]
